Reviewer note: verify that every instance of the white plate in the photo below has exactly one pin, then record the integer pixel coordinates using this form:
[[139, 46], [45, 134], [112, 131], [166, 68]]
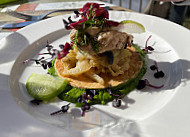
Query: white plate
[[171, 44]]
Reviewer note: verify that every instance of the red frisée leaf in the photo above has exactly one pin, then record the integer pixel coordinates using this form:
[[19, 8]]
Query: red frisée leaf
[[106, 14], [65, 51], [94, 9], [148, 48], [112, 23], [89, 11], [101, 12], [88, 6], [76, 24], [67, 47]]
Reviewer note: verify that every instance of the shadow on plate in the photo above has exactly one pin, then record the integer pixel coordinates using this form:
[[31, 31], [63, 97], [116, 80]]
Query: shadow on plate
[[176, 74], [11, 47]]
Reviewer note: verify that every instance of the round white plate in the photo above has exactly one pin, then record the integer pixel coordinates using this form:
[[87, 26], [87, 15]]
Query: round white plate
[[171, 44]]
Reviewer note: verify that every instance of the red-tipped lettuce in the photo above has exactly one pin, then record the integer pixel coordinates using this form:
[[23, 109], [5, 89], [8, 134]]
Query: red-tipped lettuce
[[76, 24], [65, 51], [93, 10], [112, 23], [88, 6]]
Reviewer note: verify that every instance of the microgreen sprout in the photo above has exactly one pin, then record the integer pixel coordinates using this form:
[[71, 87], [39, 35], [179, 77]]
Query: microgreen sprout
[[91, 14], [37, 61], [64, 51], [143, 83], [84, 108], [41, 62], [88, 95], [53, 52], [111, 93], [148, 48], [158, 74], [116, 102], [70, 20], [66, 23], [63, 109], [76, 12]]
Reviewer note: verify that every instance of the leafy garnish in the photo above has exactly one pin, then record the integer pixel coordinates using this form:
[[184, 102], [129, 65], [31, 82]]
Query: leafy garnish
[[143, 83], [148, 48], [52, 70], [92, 16]]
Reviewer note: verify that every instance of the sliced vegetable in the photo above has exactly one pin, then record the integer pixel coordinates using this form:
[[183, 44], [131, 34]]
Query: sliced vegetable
[[45, 86], [129, 26]]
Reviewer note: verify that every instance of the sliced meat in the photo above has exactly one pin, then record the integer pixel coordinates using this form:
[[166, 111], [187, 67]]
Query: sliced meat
[[113, 40], [108, 40]]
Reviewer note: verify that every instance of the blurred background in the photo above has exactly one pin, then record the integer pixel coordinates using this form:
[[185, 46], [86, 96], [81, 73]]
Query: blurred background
[[166, 10], [177, 14]]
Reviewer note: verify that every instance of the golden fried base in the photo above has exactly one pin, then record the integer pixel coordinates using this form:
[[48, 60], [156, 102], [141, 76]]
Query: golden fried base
[[83, 81]]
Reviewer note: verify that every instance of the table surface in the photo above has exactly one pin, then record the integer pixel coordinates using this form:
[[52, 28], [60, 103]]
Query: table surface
[[38, 7], [42, 6]]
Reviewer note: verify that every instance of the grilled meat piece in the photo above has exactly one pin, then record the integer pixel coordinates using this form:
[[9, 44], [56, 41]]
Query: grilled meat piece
[[113, 40]]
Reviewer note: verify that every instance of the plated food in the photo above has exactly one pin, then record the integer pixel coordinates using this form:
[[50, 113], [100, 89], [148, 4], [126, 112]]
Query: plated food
[[100, 64]]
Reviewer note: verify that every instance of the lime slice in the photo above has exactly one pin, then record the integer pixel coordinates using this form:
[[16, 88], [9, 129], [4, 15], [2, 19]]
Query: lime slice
[[45, 86], [130, 26]]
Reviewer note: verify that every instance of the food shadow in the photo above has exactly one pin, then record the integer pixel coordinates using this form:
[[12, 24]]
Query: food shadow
[[18, 123], [176, 74], [11, 46]]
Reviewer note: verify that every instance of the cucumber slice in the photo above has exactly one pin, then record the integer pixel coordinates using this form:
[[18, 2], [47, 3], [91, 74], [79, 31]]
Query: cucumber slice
[[45, 86]]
